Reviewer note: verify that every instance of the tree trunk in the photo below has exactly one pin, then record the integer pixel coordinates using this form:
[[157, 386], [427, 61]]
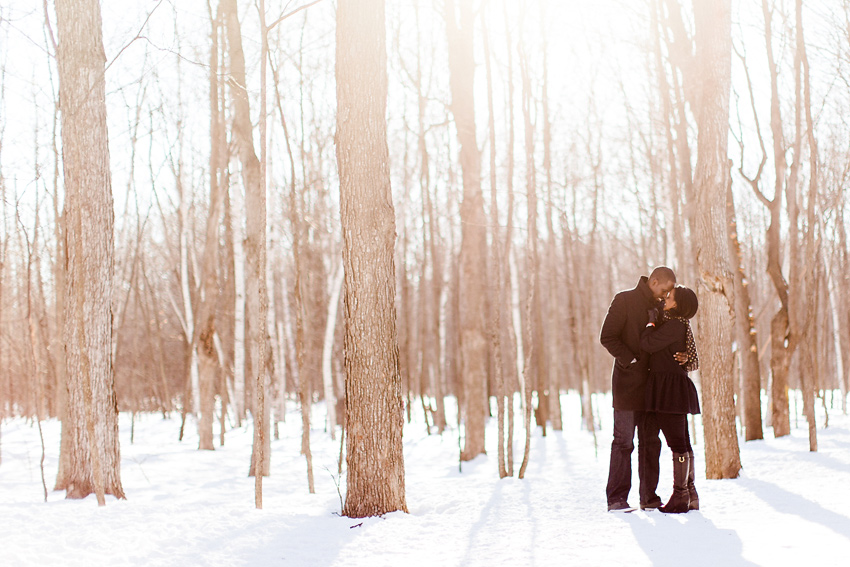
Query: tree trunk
[[536, 370], [238, 219], [497, 295], [745, 330], [203, 340], [473, 248], [553, 349], [809, 319], [255, 220], [374, 408], [327, 354], [780, 354], [94, 464], [716, 283]]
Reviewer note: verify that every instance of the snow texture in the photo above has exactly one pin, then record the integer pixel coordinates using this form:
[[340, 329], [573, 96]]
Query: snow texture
[[185, 507]]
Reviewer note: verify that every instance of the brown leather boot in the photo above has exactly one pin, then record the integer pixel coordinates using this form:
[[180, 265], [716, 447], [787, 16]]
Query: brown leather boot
[[692, 492], [679, 501]]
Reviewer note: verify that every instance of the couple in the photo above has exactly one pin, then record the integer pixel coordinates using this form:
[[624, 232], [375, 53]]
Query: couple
[[647, 331]]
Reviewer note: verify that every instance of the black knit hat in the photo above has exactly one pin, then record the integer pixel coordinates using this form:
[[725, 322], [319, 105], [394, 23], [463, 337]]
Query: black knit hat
[[686, 302]]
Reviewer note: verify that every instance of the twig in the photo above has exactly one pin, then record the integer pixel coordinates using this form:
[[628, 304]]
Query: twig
[[292, 13], [336, 480]]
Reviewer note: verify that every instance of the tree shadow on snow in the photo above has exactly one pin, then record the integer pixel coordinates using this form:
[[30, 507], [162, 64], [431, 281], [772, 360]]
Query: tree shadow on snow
[[266, 538], [497, 516], [687, 539], [787, 502], [822, 457]]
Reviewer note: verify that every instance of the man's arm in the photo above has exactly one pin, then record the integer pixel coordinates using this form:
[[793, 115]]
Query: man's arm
[[612, 330]]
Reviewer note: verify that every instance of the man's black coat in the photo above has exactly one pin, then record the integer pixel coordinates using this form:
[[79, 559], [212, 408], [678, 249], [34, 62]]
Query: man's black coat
[[620, 335]]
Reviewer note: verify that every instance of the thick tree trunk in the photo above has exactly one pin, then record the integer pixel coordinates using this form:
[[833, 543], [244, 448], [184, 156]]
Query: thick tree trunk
[[716, 283], [374, 408], [94, 464], [473, 248]]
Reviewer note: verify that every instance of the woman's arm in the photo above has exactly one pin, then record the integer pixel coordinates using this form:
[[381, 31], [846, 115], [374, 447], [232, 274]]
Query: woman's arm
[[653, 339]]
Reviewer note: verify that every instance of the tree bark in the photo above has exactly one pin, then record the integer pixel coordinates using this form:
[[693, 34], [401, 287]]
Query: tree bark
[[374, 407], [255, 221], [203, 339], [497, 294], [808, 318], [716, 282], [473, 248], [553, 311], [95, 463], [745, 330], [780, 353]]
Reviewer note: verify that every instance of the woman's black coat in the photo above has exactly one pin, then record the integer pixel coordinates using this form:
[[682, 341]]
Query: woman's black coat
[[669, 389]]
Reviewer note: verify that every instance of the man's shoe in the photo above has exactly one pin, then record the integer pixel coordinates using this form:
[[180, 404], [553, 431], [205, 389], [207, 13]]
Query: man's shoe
[[653, 504], [621, 506]]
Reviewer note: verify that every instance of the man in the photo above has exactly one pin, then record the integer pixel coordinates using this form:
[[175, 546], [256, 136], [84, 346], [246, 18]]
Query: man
[[620, 335]]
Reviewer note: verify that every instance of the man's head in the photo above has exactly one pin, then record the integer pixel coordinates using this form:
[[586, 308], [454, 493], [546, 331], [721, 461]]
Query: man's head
[[661, 281]]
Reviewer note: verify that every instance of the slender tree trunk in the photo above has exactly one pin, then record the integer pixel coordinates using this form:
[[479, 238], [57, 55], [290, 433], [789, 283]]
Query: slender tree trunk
[[63, 478], [714, 51], [513, 369], [327, 354], [810, 320], [94, 464], [203, 341], [473, 249], [780, 355], [436, 329], [374, 420], [255, 220], [676, 201], [553, 350], [745, 330], [497, 295], [238, 219]]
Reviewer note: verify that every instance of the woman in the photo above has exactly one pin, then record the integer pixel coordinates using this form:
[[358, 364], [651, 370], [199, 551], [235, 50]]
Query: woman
[[670, 393]]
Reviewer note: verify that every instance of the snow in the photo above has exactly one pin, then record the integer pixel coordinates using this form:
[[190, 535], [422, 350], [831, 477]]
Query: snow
[[186, 507]]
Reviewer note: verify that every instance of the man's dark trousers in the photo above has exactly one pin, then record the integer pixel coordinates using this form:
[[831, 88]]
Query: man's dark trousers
[[649, 451]]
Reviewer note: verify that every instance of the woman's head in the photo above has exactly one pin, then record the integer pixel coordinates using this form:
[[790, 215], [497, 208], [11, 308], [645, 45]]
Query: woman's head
[[682, 302]]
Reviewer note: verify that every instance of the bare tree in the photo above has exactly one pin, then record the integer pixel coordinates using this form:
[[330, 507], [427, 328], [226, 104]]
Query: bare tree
[[255, 241], [809, 278], [716, 283], [374, 407], [745, 330], [473, 249], [95, 461]]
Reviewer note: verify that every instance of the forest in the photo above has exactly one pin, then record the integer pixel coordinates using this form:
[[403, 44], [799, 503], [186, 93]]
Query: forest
[[412, 213]]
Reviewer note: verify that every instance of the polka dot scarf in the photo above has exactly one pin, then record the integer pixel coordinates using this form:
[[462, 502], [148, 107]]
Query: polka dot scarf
[[690, 345]]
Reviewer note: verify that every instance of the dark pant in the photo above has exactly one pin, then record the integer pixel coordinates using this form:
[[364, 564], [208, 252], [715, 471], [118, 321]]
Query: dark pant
[[674, 426], [649, 451]]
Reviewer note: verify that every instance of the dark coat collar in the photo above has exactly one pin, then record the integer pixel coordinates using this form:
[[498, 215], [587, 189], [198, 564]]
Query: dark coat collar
[[643, 288]]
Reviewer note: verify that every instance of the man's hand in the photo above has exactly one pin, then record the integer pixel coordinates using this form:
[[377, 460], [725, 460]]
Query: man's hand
[[652, 316], [681, 357]]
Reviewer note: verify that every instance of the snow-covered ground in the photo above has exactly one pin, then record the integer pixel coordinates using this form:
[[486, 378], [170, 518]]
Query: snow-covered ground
[[186, 508]]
